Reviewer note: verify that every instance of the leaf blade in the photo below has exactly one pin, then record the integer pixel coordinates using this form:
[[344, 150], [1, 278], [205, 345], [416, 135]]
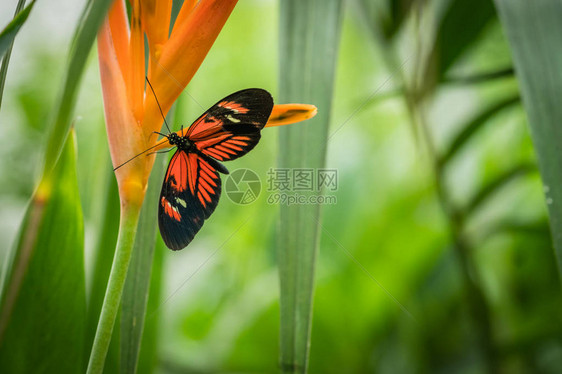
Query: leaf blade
[[457, 32], [49, 263], [84, 36], [9, 33], [6, 44], [534, 33], [309, 38], [496, 184], [474, 125]]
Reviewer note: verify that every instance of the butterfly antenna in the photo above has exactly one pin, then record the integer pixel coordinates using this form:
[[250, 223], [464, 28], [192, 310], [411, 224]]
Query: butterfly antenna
[[132, 158], [159, 107]]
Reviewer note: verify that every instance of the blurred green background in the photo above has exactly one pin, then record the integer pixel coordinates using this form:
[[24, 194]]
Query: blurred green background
[[392, 294]]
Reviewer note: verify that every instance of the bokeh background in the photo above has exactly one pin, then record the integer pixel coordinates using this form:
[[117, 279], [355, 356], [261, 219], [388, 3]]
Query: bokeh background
[[393, 291]]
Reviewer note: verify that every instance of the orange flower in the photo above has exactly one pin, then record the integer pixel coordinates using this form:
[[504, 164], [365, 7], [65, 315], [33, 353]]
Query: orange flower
[[284, 114], [131, 111], [132, 114]]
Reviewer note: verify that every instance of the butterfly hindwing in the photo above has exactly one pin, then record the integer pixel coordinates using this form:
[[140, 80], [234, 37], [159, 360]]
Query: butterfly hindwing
[[231, 127], [190, 193], [192, 186]]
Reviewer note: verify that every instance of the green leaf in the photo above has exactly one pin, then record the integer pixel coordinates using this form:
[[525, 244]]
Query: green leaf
[[497, 183], [399, 11], [537, 228], [43, 308], [9, 33], [475, 124], [104, 252], [84, 36], [534, 32], [468, 80], [309, 37], [459, 28], [148, 356], [385, 18], [486, 77], [7, 37]]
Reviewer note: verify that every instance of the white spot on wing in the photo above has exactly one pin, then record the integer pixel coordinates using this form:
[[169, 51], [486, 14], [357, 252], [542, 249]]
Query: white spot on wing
[[181, 202], [232, 119]]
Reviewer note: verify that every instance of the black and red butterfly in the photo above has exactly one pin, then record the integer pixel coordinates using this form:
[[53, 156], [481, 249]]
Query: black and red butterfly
[[192, 186]]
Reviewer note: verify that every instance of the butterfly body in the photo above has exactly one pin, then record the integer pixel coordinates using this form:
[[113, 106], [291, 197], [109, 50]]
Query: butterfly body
[[181, 142], [192, 185]]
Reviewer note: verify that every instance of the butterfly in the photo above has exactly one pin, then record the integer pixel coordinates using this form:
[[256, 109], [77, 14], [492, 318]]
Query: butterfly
[[192, 185]]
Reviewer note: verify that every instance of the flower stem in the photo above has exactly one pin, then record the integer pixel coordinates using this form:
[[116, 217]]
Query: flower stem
[[110, 307]]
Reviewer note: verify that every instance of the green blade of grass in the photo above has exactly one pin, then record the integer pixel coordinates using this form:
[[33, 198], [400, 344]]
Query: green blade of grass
[[486, 77], [459, 28], [148, 356], [474, 125], [385, 18], [9, 33], [84, 36], [535, 228], [534, 33], [43, 309], [104, 252], [493, 186], [309, 36], [7, 37], [399, 11], [55, 337]]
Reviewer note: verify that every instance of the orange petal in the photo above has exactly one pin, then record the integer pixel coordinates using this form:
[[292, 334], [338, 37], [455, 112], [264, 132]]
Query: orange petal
[[125, 137], [284, 114], [156, 22], [185, 11], [135, 74], [119, 25], [182, 55]]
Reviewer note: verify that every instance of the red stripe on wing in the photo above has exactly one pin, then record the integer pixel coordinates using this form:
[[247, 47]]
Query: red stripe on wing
[[170, 210], [183, 209], [229, 146], [231, 127], [234, 106], [177, 172]]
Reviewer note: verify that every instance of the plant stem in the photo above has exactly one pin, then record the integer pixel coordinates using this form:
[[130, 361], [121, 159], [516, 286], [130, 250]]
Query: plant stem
[[127, 231], [417, 91], [476, 300]]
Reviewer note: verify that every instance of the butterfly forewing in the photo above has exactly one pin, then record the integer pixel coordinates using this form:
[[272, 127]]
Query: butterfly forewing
[[231, 127], [192, 186], [190, 193]]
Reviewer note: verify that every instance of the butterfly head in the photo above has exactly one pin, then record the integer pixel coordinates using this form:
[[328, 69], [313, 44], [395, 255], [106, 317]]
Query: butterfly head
[[182, 142]]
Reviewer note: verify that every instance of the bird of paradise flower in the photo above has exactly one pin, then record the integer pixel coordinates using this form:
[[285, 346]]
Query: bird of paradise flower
[[132, 115]]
